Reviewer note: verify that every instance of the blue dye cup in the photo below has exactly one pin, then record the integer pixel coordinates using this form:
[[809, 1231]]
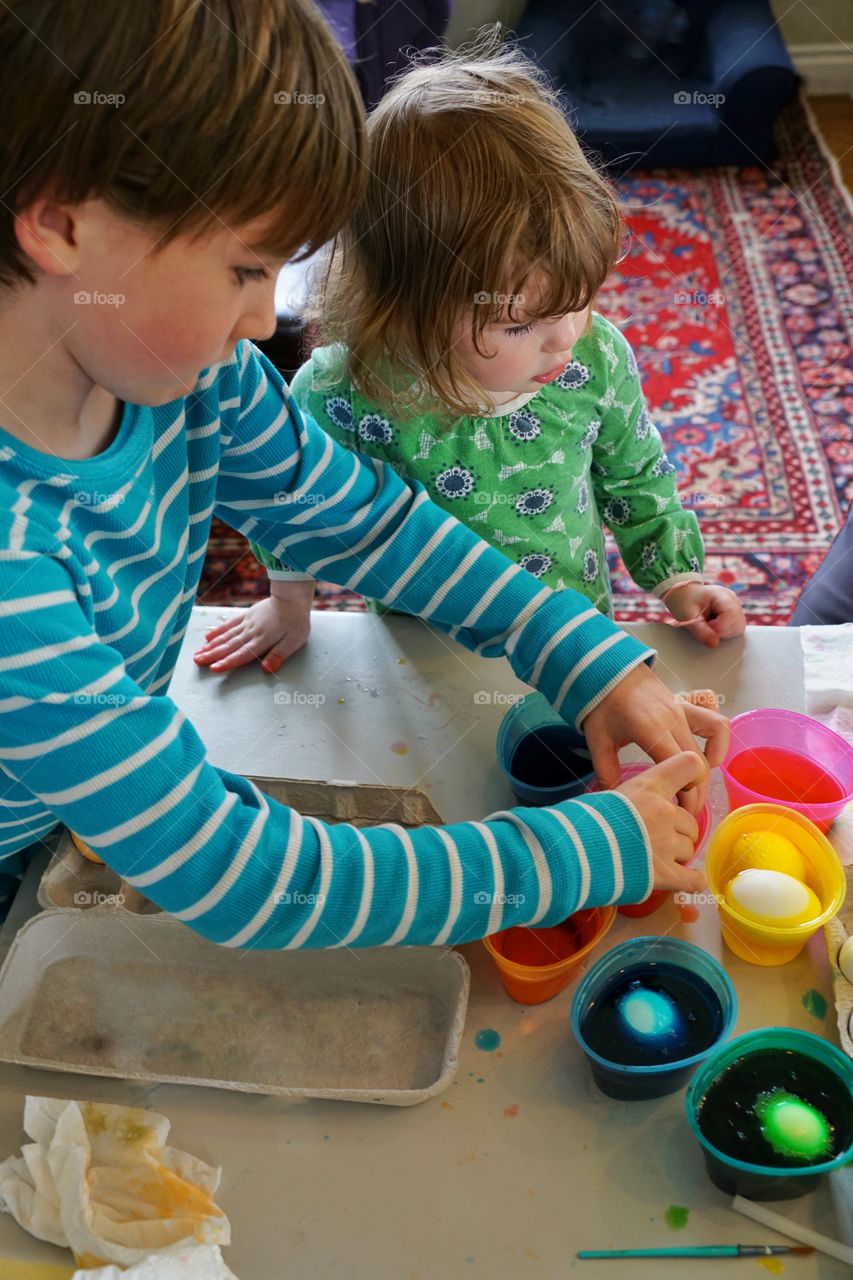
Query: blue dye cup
[[759, 1181], [629, 1083], [543, 758]]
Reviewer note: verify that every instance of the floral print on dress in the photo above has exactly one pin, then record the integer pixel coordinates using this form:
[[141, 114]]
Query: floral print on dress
[[649, 555], [573, 376], [617, 512], [644, 425], [375, 429], [537, 563], [590, 436], [663, 466], [590, 565], [534, 502], [455, 482], [339, 411], [524, 426], [583, 499]]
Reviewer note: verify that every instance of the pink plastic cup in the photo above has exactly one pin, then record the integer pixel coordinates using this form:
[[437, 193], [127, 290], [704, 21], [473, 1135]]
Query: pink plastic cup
[[658, 897], [768, 728]]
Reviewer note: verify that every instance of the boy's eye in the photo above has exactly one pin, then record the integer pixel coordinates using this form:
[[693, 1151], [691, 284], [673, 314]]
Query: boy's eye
[[520, 329], [244, 274]]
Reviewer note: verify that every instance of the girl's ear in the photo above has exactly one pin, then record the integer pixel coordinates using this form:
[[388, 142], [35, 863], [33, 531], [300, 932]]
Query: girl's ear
[[47, 234]]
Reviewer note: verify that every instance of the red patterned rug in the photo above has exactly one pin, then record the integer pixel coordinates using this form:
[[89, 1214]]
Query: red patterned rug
[[737, 293]]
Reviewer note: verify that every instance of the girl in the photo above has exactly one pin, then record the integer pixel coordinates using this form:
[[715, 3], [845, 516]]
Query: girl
[[463, 349]]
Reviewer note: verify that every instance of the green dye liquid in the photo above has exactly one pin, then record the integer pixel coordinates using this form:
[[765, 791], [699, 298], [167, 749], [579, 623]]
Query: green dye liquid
[[741, 1112]]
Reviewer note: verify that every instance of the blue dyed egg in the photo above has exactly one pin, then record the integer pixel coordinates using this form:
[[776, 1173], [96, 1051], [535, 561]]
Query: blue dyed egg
[[650, 1015]]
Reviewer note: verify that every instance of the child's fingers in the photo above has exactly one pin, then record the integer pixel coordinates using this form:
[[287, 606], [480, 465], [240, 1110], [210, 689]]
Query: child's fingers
[[239, 658], [283, 649], [222, 627], [221, 648], [704, 631]]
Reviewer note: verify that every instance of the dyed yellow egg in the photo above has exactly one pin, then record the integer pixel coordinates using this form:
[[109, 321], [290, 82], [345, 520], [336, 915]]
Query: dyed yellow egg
[[771, 897], [767, 851], [85, 850]]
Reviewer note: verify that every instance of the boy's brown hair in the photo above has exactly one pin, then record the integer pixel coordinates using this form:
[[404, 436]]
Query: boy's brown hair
[[478, 190], [179, 114]]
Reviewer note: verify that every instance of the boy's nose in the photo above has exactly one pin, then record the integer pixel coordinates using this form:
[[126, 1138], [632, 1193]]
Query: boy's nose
[[562, 336]]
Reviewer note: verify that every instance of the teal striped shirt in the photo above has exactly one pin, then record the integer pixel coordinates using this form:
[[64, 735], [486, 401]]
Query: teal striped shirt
[[99, 564]]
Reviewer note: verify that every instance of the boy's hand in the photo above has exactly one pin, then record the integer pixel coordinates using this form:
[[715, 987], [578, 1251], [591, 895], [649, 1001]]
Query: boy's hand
[[672, 831], [717, 610], [641, 709], [271, 630]]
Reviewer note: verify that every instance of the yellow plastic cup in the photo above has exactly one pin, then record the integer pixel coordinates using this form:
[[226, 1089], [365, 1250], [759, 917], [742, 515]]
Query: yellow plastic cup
[[760, 942]]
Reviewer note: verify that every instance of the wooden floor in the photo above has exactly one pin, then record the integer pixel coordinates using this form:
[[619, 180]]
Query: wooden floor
[[835, 119]]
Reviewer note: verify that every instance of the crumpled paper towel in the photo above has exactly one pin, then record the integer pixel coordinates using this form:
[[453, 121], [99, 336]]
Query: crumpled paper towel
[[202, 1263], [99, 1179]]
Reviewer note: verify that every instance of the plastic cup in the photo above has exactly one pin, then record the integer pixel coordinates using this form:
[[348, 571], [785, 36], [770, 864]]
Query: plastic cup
[[657, 897], [630, 1083], [769, 943], [537, 964], [560, 744], [757, 1181], [793, 732]]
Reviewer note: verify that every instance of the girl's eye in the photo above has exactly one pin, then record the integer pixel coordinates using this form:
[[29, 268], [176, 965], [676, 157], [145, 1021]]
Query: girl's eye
[[244, 274], [520, 329]]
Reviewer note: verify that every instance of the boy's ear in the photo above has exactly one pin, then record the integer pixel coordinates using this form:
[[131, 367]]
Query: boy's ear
[[46, 232]]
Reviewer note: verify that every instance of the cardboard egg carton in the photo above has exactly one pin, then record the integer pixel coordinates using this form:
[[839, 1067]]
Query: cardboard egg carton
[[72, 882], [837, 931]]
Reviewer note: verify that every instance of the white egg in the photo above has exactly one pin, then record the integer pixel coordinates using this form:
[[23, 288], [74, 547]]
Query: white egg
[[772, 896], [845, 959]]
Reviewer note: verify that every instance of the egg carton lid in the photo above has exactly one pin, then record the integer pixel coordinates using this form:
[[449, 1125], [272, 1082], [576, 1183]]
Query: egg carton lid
[[98, 993]]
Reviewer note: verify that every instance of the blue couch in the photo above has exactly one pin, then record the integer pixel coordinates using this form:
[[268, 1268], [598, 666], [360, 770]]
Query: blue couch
[[660, 83]]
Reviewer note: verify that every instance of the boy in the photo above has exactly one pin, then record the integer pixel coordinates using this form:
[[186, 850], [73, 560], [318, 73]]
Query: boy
[[159, 167]]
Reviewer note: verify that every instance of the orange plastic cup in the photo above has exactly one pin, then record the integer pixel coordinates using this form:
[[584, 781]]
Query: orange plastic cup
[[537, 964], [85, 850]]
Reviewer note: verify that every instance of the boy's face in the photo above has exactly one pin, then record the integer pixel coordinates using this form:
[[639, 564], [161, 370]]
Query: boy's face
[[522, 356], [146, 323]]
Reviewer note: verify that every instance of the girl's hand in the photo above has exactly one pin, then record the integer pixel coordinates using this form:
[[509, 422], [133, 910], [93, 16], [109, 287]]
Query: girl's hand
[[270, 631], [672, 830], [717, 610]]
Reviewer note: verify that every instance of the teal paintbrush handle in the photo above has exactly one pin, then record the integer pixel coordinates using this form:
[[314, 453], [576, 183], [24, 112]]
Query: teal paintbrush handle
[[697, 1251]]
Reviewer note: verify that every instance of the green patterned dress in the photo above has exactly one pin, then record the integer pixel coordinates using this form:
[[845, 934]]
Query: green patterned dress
[[540, 477]]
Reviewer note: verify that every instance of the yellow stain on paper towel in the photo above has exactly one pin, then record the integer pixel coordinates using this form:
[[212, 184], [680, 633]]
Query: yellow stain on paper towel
[[13, 1269]]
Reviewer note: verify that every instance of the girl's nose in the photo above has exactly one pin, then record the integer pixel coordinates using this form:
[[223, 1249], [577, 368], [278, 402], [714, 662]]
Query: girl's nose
[[563, 335]]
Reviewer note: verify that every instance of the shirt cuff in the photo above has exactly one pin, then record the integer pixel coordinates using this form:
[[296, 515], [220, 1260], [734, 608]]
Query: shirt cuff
[[289, 575], [676, 580]]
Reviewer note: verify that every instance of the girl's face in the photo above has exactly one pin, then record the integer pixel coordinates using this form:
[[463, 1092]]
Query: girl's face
[[520, 357]]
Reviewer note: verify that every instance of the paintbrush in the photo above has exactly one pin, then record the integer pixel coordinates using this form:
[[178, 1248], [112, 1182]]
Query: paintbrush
[[703, 1251]]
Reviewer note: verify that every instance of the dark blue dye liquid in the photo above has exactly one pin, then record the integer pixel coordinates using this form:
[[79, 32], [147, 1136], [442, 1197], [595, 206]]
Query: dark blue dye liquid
[[549, 757], [726, 1114], [697, 1023]]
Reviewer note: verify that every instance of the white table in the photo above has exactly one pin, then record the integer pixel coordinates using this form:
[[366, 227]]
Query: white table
[[521, 1161]]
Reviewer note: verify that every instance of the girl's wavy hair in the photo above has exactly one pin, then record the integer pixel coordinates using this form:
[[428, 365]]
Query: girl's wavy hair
[[478, 191]]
